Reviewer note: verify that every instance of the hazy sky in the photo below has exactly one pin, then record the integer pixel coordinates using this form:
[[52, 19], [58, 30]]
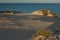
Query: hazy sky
[[29, 1]]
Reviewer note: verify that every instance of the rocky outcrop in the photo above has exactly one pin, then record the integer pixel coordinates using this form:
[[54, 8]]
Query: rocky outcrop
[[45, 13], [6, 12], [9, 12]]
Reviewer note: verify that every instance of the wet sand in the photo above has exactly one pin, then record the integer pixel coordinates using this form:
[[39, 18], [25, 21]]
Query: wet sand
[[23, 26], [24, 21], [19, 34]]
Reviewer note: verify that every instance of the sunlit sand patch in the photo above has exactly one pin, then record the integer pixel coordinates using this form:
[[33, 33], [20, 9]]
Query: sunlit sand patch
[[45, 12]]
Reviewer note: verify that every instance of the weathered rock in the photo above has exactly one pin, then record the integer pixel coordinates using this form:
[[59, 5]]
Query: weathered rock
[[8, 12], [44, 13]]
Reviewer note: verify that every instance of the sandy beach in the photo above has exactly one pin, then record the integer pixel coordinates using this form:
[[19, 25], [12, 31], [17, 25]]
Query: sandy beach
[[28, 21], [26, 25]]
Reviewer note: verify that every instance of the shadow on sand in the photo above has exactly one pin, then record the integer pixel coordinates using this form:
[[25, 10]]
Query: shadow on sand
[[56, 23]]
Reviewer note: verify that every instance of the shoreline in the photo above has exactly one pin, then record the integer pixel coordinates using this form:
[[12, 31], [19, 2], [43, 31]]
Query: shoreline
[[28, 20]]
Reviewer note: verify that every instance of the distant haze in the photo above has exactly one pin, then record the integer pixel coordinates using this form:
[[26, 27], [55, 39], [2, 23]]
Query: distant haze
[[29, 1]]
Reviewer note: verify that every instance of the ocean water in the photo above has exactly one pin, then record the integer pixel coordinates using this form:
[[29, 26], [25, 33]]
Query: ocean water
[[30, 7]]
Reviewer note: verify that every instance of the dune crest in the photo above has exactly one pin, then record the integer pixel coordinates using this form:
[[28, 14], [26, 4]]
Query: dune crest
[[45, 12]]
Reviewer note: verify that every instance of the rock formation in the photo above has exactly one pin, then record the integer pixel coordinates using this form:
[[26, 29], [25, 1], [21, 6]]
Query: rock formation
[[45, 13], [9, 12]]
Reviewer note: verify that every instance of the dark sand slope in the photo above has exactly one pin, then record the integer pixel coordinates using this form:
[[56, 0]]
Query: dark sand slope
[[21, 34], [29, 21]]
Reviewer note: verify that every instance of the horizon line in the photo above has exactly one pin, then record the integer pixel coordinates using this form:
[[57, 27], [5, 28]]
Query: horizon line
[[46, 2]]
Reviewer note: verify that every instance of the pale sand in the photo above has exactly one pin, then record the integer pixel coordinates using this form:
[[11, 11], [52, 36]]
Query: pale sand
[[28, 20]]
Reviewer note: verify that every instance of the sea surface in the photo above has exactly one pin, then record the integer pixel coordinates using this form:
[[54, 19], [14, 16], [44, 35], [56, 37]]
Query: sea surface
[[23, 34], [30, 7]]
